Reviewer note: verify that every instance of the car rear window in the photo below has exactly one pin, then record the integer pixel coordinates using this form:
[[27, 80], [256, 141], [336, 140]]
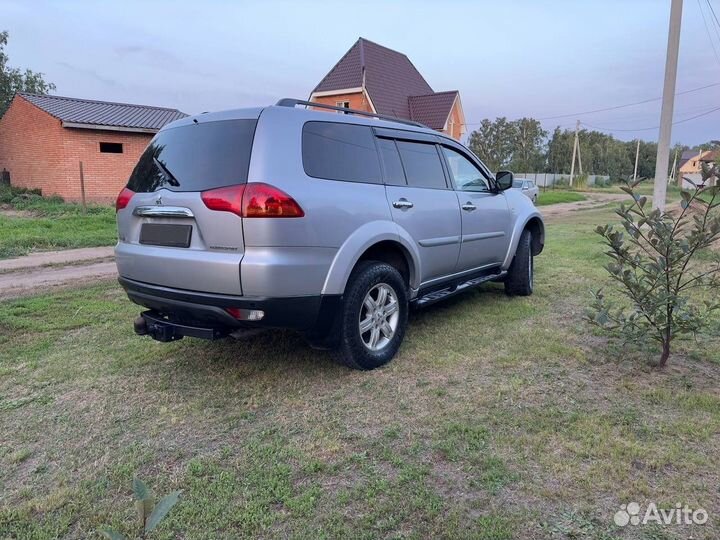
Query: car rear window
[[337, 151], [196, 157]]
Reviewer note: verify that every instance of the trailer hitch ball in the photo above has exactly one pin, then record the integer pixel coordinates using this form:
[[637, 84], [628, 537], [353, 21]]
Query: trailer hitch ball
[[140, 326]]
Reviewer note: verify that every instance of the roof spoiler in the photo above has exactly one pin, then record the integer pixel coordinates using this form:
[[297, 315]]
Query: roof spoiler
[[290, 102]]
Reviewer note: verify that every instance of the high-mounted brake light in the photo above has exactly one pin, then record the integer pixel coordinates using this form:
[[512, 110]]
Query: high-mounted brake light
[[253, 200], [123, 198]]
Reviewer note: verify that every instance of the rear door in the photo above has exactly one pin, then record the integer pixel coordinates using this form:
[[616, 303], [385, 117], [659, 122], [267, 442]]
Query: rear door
[[167, 235], [422, 202], [485, 214]]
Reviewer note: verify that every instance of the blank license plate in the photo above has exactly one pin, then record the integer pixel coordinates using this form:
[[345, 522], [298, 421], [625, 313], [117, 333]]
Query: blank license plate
[[164, 234]]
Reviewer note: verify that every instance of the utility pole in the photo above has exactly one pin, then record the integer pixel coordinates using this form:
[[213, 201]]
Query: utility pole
[[637, 157], [668, 101], [579, 156], [575, 146], [672, 170]]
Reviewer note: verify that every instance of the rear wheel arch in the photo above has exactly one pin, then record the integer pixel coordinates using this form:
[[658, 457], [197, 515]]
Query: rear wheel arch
[[394, 254], [363, 242]]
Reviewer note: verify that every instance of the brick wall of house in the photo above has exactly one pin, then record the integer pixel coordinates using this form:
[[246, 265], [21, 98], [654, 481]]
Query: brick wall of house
[[31, 147], [40, 153], [455, 126], [357, 101]]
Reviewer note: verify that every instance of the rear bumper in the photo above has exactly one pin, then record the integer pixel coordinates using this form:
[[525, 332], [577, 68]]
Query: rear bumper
[[208, 310]]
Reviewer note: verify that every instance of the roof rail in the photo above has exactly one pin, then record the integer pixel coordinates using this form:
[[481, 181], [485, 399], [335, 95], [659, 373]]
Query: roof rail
[[290, 102]]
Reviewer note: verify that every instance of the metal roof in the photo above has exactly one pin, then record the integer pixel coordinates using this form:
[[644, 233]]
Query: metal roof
[[395, 86], [433, 109], [88, 113], [687, 155], [390, 77]]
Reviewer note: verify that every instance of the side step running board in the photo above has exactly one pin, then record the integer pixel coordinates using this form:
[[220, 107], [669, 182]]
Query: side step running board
[[442, 294]]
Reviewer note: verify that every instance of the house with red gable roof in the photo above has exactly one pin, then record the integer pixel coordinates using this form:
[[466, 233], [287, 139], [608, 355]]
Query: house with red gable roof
[[373, 78]]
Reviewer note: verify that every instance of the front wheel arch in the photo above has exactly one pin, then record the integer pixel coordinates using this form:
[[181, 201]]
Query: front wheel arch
[[537, 230]]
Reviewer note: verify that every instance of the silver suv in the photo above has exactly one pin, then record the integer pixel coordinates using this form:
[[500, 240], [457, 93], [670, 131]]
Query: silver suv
[[331, 224]]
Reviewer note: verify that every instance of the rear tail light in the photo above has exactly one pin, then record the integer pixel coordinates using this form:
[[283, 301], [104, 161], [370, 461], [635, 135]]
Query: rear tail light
[[225, 199], [263, 200], [123, 199], [253, 200]]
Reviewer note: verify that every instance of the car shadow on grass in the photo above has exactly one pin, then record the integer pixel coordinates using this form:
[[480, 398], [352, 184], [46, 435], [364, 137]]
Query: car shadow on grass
[[283, 358], [475, 297]]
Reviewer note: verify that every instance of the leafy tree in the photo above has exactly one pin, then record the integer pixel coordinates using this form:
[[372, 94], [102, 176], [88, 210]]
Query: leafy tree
[[559, 155], [528, 140], [646, 158], [654, 265], [493, 142], [518, 144], [710, 145], [524, 146], [15, 80], [615, 159]]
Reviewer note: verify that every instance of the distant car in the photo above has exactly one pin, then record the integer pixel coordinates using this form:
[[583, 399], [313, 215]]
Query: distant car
[[528, 188]]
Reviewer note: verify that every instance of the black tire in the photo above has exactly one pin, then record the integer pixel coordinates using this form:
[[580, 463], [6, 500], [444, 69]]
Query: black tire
[[351, 349], [519, 279]]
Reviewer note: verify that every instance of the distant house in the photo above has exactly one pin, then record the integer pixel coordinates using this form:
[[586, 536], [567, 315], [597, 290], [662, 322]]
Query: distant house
[[44, 138], [373, 78], [686, 157], [691, 164]]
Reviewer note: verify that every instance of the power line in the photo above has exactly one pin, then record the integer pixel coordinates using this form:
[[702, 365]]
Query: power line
[[569, 115], [653, 127], [707, 30], [712, 10], [628, 104]]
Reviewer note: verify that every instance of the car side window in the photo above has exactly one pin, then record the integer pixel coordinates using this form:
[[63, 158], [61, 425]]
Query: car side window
[[467, 176], [390, 159], [422, 165], [338, 151]]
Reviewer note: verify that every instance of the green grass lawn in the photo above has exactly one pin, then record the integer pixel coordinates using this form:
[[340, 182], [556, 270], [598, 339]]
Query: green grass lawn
[[557, 196], [33, 223], [499, 419]]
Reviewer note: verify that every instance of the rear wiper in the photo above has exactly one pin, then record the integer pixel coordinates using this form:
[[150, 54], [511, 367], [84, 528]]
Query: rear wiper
[[166, 173]]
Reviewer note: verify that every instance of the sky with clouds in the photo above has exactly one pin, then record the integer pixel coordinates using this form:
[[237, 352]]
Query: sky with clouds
[[509, 58]]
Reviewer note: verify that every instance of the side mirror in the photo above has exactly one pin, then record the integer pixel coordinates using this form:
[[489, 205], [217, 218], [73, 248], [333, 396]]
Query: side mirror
[[504, 180]]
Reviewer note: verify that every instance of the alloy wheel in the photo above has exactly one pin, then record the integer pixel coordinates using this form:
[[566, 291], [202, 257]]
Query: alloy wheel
[[379, 316]]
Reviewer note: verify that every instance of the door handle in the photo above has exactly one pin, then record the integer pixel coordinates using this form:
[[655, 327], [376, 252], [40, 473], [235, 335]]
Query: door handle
[[402, 203], [468, 206]]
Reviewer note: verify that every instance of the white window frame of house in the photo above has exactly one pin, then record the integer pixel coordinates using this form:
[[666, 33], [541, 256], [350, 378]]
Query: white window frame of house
[[343, 104]]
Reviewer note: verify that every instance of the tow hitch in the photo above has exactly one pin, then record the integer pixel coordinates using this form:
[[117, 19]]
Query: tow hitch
[[152, 324]]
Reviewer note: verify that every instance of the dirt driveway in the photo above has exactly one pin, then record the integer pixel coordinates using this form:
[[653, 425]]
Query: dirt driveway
[[39, 271], [593, 200]]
